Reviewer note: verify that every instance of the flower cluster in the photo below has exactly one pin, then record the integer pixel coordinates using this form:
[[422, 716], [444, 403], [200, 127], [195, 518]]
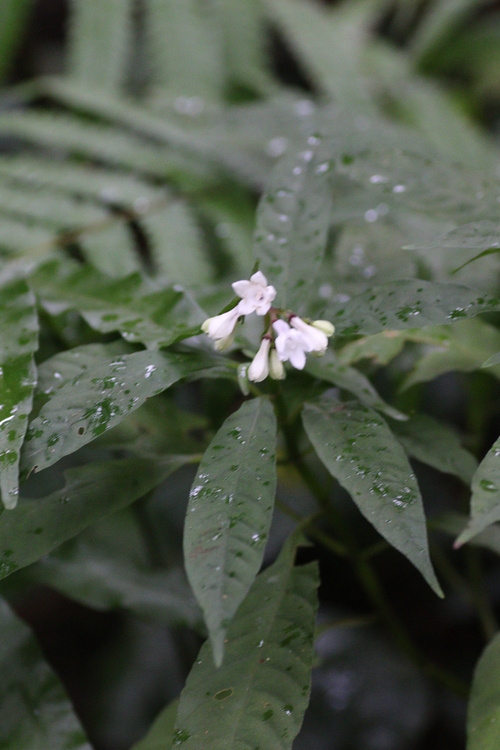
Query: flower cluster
[[287, 338]]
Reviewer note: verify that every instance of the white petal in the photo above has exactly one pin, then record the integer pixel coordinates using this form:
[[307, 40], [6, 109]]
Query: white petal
[[280, 326], [241, 287], [298, 359], [223, 325], [246, 306], [259, 368], [258, 278]]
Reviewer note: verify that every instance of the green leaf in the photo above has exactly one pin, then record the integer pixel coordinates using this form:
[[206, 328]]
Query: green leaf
[[245, 45], [12, 24], [293, 219], [141, 312], [330, 46], [229, 514], [483, 714], [359, 450], [90, 389], [480, 235], [108, 566], [177, 246], [259, 695], [437, 445], [102, 185], [91, 492], [383, 347], [99, 42], [186, 48], [466, 346], [485, 499], [161, 733], [35, 711], [454, 523], [407, 304], [19, 331], [330, 369], [18, 237], [442, 20], [493, 360]]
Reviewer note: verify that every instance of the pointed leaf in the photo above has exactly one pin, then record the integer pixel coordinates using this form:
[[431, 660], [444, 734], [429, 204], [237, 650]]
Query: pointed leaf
[[408, 304], [229, 514], [348, 378], [91, 492], [359, 450], [485, 499], [90, 389], [100, 36], [19, 341], [437, 445], [483, 714], [35, 711], [259, 695], [463, 348], [161, 733], [132, 306], [293, 219]]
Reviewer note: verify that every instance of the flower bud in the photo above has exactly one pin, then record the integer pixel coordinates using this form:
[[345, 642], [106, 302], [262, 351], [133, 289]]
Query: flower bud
[[325, 326], [259, 368], [243, 379], [276, 369], [221, 326], [223, 344]]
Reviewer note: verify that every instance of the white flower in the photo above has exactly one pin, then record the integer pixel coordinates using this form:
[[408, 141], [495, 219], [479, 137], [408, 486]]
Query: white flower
[[291, 345], [256, 295], [221, 326], [316, 339], [325, 326], [276, 369], [259, 368]]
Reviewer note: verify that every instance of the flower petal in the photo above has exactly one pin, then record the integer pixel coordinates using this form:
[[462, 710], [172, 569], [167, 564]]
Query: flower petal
[[241, 287], [258, 278]]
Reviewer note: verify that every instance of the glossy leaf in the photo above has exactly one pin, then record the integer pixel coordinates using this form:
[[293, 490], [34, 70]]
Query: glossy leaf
[[464, 348], [91, 492], [259, 695], [383, 347], [108, 566], [161, 733], [407, 304], [359, 450], [293, 219], [454, 523], [35, 711], [89, 390], [485, 499], [19, 341], [483, 714], [229, 514], [348, 378], [133, 306], [436, 444], [481, 235]]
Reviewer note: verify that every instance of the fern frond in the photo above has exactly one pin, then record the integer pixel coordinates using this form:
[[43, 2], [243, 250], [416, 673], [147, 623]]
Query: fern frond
[[19, 237], [186, 47], [99, 42], [99, 184], [177, 245]]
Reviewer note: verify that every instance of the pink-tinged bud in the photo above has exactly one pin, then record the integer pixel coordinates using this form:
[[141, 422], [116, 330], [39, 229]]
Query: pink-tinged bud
[[325, 326], [276, 369], [259, 368]]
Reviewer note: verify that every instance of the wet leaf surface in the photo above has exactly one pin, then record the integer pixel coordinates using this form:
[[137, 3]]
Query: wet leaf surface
[[229, 514]]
